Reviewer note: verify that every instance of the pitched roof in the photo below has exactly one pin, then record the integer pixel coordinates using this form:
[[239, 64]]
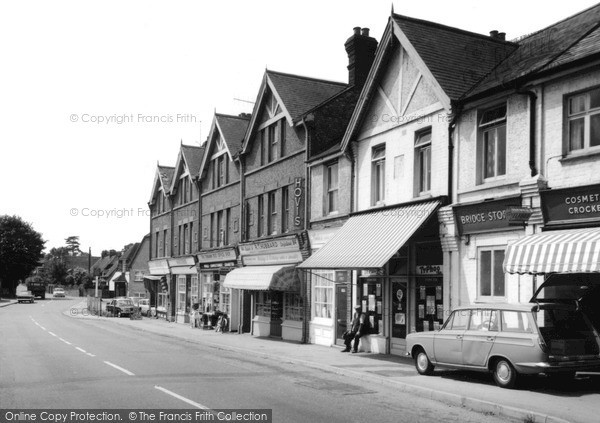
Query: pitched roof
[[563, 43], [301, 93], [193, 157], [456, 58], [233, 129], [130, 252]]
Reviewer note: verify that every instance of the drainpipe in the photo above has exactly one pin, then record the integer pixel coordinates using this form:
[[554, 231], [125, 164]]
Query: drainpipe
[[451, 127], [532, 118], [304, 285], [243, 222]]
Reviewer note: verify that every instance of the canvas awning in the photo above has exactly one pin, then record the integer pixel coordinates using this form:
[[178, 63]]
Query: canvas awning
[[369, 240], [564, 251], [277, 278], [158, 267]]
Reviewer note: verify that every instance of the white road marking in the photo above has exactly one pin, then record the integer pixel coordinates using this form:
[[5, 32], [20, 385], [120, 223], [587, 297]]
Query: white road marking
[[179, 397], [65, 341], [52, 333], [91, 355], [81, 349], [43, 327], [127, 372]]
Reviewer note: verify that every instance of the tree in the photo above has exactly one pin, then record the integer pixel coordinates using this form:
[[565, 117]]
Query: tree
[[20, 250], [73, 245], [55, 270]]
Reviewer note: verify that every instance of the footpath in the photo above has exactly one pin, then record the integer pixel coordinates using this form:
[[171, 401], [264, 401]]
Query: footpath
[[537, 401]]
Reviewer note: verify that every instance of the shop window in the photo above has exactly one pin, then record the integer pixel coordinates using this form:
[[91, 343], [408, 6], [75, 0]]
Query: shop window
[[583, 120], [194, 298], [423, 161], [263, 304], [491, 158], [332, 188], [322, 294], [378, 175], [292, 306], [371, 291], [209, 286], [181, 294], [162, 302], [226, 301], [491, 276]]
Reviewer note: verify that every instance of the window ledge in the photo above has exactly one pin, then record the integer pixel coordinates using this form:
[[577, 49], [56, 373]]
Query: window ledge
[[491, 184], [490, 300], [580, 155]]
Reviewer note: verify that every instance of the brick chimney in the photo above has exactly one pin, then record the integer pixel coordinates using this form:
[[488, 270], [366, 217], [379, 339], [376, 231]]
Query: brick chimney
[[361, 53]]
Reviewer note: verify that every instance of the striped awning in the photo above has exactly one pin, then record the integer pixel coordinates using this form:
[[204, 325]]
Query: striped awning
[[259, 278], [565, 251], [369, 240]]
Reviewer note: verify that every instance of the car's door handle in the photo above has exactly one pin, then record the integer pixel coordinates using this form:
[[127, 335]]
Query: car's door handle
[[459, 336], [490, 338]]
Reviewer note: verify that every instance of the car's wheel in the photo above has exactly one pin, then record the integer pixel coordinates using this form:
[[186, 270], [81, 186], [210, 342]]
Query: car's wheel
[[505, 374], [119, 313], [422, 363]]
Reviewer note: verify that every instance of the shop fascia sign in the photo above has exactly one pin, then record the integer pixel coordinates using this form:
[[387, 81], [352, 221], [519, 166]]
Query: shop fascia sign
[[571, 205], [319, 237], [490, 216], [289, 243], [224, 255], [429, 269], [158, 267]]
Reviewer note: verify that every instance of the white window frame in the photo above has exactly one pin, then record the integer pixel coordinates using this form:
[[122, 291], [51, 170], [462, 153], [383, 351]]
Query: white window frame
[[586, 114], [489, 126], [423, 157], [491, 297], [378, 175], [322, 292], [332, 188]]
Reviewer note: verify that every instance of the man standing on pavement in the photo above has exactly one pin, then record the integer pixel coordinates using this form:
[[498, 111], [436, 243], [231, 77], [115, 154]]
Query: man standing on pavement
[[358, 327]]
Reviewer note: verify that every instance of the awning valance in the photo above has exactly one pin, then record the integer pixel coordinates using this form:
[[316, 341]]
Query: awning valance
[[565, 251], [277, 278], [369, 240]]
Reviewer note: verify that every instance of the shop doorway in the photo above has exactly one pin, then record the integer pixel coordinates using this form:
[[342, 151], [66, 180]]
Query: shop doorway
[[276, 313], [341, 311]]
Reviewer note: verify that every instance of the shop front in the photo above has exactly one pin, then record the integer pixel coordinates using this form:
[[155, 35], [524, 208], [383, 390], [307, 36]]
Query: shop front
[[270, 278], [330, 293], [185, 282], [390, 258], [215, 298], [565, 257], [158, 285]]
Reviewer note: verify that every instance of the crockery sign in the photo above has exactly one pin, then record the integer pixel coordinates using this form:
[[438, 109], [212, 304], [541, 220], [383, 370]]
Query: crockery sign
[[429, 269], [571, 205], [268, 246], [485, 216]]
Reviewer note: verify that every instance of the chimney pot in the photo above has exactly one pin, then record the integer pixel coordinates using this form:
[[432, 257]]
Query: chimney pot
[[357, 30], [502, 36], [365, 32], [494, 34]]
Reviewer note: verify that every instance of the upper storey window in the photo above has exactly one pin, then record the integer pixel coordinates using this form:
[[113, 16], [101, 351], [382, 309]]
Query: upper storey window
[[492, 140], [583, 120]]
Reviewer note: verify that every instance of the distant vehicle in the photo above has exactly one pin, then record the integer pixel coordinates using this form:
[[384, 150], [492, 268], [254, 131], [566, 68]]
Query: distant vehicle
[[24, 295], [37, 286], [121, 307], [144, 305], [58, 292], [553, 338]]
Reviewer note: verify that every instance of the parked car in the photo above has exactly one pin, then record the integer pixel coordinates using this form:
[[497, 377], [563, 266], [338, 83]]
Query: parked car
[[58, 292], [121, 307], [552, 337], [144, 305]]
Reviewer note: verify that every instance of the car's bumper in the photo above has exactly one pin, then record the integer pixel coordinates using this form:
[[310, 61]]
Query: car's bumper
[[559, 366]]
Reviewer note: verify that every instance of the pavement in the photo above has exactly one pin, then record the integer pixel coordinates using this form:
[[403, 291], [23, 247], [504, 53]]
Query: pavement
[[474, 391]]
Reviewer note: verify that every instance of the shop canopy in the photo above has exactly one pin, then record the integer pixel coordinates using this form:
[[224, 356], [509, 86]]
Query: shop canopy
[[277, 278], [369, 240], [564, 251]]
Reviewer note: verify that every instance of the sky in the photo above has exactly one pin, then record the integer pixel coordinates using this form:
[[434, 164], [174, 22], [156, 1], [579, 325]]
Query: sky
[[93, 94]]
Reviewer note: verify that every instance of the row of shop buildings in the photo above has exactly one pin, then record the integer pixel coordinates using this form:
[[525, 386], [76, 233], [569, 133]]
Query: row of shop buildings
[[452, 168]]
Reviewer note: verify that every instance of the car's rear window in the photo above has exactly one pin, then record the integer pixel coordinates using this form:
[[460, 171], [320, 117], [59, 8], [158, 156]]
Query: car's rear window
[[125, 302], [516, 321]]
